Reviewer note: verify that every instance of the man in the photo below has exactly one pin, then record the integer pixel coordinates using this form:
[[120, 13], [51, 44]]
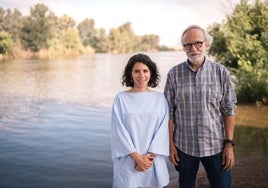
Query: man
[[201, 102]]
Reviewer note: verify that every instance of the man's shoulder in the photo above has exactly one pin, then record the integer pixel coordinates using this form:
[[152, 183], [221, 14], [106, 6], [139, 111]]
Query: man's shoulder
[[215, 65], [178, 67]]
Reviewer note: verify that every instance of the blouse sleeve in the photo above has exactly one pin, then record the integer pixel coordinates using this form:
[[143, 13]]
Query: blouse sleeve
[[121, 143], [160, 142]]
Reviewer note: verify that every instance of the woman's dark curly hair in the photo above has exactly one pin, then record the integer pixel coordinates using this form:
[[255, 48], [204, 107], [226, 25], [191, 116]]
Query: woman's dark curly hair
[[127, 78]]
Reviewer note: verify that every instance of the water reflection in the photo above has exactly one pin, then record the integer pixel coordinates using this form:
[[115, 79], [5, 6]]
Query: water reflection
[[252, 115], [64, 80], [92, 79], [251, 141]]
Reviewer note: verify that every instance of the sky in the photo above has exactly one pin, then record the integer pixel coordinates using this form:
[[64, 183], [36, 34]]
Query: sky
[[165, 18]]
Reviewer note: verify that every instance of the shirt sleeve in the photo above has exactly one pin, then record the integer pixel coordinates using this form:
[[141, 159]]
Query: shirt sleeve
[[169, 94], [229, 97], [121, 143]]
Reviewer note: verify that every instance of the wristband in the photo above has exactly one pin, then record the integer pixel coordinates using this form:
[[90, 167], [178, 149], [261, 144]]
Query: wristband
[[226, 141]]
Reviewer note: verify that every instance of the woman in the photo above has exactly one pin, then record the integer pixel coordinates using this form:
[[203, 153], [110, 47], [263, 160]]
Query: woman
[[139, 128]]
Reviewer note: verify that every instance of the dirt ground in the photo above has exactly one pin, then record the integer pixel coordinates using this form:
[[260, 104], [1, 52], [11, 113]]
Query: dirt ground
[[249, 172]]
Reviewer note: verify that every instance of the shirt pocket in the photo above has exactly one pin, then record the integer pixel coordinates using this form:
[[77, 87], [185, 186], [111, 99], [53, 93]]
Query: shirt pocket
[[185, 93], [213, 93]]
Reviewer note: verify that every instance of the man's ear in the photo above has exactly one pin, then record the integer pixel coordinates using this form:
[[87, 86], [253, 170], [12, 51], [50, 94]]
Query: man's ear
[[207, 45]]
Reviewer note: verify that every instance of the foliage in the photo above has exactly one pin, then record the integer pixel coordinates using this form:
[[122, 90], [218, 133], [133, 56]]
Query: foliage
[[65, 22], [122, 39], [87, 31], [37, 28], [250, 89], [42, 31], [5, 43], [71, 40], [101, 43], [118, 40], [11, 22], [149, 42], [241, 43]]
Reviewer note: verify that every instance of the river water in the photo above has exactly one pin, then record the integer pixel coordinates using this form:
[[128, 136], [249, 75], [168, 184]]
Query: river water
[[55, 120]]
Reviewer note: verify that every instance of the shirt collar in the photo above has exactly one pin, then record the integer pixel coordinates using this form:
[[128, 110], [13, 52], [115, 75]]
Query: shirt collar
[[205, 64]]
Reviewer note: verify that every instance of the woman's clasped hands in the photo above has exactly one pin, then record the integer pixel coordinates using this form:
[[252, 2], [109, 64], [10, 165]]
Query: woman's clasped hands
[[144, 162]]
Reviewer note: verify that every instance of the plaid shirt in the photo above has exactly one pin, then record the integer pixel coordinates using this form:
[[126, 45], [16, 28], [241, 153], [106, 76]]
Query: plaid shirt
[[198, 101]]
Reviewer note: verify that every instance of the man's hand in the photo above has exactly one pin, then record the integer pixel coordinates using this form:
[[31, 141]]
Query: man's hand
[[228, 157], [173, 156]]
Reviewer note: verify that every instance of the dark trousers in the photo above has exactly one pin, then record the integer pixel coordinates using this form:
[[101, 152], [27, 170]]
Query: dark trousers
[[189, 165]]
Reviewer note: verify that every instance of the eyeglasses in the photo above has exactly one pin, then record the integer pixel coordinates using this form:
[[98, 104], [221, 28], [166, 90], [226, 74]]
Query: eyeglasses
[[197, 44]]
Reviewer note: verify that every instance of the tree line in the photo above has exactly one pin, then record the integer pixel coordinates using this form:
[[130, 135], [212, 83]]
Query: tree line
[[43, 30]]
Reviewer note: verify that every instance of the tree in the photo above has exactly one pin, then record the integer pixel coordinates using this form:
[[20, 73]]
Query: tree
[[241, 43], [87, 32], [37, 28], [2, 16], [122, 39], [149, 42], [5, 43], [101, 44], [71, 40], [65, 22], [11, 22]]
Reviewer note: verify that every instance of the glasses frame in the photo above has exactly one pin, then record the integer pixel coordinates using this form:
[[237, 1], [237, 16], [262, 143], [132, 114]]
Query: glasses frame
[[197, 45]]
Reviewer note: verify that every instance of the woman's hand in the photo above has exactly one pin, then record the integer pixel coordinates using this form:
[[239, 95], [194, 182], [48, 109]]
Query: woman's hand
[[145, 162]]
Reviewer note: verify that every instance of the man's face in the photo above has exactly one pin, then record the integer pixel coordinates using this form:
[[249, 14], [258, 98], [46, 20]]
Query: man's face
[[195, 45]]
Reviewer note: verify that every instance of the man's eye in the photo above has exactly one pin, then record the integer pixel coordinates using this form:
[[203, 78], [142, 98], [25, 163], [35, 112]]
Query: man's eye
[[198, 43]]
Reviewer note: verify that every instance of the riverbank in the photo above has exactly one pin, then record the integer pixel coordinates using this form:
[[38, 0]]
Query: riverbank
[[249, 172]]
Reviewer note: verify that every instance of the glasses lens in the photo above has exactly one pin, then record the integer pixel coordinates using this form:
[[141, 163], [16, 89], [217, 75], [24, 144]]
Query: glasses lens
[[188, 46], [198, 44]]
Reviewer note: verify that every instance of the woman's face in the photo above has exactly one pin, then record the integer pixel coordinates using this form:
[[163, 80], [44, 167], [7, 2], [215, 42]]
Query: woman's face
[[141, 75]]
